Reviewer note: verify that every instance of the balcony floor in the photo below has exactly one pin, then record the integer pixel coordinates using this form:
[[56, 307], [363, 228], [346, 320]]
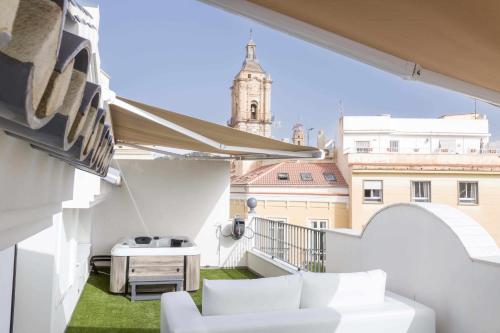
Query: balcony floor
[[98, 311]]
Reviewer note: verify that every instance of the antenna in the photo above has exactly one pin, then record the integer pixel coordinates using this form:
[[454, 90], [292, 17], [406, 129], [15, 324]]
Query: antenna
[[340, 108], [475, 108], [309, 131], [251, 33]]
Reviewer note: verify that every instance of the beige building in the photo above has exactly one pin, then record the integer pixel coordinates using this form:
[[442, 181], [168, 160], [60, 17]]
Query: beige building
[[309, 194], [387, 160]]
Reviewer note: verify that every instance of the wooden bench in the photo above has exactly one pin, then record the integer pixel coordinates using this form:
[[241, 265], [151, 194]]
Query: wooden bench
[[135, 281]]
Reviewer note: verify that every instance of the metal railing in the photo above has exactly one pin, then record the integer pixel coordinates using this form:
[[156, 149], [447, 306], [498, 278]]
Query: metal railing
[[304, 248], [421, 151]]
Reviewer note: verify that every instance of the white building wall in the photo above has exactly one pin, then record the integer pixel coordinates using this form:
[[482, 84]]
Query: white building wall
[[52, 269], [433, 254], [7, 258], [33, 186], [174, 197], [414, 135], [53, 243]]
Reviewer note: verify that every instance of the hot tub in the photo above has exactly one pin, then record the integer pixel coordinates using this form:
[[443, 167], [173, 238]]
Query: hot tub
[[150, 257]]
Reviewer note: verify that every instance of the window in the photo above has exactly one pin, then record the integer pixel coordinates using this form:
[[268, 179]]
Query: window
[[421, 191], [393, 146], [317, 243], [330, 176], [283, 176], [306, 176], [249, 76], [468, 193], [363, 147], [447, 145], [372, 191], [253, 111], [319, 224]]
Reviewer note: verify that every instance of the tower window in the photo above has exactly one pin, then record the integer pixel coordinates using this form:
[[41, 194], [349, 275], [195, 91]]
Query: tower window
[[249, 76], [253, 111]]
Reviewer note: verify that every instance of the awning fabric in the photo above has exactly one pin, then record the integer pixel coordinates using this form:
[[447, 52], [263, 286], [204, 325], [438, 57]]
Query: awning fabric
[[145, 125], [454, 44]]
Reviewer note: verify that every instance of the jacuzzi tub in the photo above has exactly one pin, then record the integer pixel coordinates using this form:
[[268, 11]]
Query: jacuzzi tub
[[158, 247], [155, 259]]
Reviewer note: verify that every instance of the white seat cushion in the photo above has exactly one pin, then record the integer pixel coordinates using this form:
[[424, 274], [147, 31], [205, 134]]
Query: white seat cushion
[[342, 289], [225, 297]]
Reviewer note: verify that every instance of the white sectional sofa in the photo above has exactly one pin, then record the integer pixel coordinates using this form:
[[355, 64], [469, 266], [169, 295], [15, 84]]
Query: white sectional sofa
[[308, 302]]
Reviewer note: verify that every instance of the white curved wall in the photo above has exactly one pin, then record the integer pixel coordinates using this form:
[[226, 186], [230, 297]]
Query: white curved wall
[[432, 253]]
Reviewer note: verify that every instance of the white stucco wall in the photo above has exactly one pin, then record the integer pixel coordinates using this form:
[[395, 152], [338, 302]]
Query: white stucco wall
[[33, 186], [6, 284], [265, 266], [53, 243], [432, 253], [175, 197], [52, 269]]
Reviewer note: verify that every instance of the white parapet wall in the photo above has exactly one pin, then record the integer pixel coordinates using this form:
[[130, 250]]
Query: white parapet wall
[[265, 266], [432, 253]]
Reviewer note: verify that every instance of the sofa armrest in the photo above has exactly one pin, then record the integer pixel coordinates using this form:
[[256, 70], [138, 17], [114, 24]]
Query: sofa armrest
[[179, 314]]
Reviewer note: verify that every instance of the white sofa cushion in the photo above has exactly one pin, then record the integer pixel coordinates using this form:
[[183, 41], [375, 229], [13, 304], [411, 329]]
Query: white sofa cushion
[[342, 289], [225, 297]]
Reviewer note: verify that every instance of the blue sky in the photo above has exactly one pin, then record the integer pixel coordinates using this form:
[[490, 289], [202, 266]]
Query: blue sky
[[182, 55]]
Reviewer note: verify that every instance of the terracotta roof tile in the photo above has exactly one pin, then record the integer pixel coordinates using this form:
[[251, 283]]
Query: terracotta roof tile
[[268, 175]]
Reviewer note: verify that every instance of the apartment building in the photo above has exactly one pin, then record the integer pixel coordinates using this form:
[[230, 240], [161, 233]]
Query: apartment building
[[387, 160]]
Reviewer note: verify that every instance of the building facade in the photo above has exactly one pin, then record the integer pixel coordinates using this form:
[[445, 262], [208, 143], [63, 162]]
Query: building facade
[[387, 160], [308, 194], [454, 134], [251, 96]]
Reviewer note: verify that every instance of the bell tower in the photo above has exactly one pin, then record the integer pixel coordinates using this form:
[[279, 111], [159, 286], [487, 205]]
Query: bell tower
[[298, 135], [251, 96]]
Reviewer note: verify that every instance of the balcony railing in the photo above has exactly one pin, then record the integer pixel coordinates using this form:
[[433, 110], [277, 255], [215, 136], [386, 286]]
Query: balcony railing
[[304, 248], [423, 150]]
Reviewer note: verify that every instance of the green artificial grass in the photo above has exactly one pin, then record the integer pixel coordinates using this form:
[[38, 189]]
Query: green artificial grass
[[98, 311]]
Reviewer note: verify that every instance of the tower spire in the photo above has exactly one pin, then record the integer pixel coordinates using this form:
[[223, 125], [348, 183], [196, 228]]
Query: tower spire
[[251, 48]]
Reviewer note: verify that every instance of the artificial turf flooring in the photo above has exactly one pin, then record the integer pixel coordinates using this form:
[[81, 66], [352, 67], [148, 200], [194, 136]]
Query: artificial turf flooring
[[98, 311]]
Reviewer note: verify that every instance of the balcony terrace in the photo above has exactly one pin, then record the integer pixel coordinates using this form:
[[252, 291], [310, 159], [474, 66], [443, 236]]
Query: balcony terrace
[[418, 268]]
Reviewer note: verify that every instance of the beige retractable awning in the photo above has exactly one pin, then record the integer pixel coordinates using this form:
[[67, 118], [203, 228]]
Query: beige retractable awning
[[454, 44], [145, 125]]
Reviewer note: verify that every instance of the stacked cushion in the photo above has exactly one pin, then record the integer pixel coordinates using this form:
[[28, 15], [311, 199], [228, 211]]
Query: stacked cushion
[[338, 290], [225, 297], [291, 292]]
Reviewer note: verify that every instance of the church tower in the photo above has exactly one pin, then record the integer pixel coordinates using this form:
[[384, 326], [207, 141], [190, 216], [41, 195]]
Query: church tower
[[251, 96], [298, 135]]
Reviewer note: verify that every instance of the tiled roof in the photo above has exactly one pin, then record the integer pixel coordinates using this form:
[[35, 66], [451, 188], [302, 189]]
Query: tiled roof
[[268, 175]]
